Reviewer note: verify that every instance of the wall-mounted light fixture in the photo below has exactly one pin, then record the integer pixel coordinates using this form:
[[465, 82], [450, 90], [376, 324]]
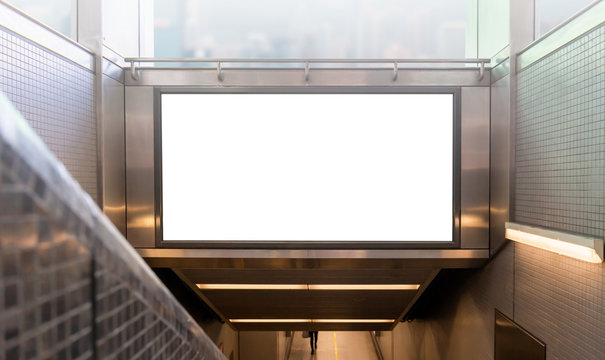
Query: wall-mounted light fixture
[[576, 246], [383, 287]]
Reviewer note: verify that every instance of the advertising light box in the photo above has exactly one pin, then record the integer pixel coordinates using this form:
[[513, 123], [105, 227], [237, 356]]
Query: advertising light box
[[307, 167]]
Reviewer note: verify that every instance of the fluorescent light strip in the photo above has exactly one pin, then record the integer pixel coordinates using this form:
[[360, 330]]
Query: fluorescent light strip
[[332, 321], [572, 245], [270, 320], [252, 286], [364, 287], [369, 321], [387, 287]]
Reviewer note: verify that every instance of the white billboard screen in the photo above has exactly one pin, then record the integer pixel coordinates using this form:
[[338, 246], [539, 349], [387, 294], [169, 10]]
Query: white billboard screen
[[307, 167]]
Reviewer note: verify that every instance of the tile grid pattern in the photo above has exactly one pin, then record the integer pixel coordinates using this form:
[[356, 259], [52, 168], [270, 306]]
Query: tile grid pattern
[[70, 285], [561, 301], [45, 269], [57, 97], [560, 138]]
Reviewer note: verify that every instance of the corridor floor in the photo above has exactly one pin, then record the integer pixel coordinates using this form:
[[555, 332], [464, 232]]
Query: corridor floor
[[339, 345]]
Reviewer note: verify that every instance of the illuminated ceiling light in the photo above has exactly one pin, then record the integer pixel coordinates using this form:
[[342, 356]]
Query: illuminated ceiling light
[[364, 286], [252, 286], [363, 321], [391, 287], [575, 246], [333, 321], [270, 320]]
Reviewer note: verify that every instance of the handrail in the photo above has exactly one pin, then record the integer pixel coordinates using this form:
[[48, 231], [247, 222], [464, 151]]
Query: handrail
[[560, 26], [312, 61], [289, 346], [585, 20], [376, 345], [46, 27], [307, 62]]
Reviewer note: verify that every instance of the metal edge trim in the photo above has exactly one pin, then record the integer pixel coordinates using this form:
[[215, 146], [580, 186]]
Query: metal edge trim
[[43, 35], [419, 293], [293, 77], [203, 297], [151, 253], [312, 61]]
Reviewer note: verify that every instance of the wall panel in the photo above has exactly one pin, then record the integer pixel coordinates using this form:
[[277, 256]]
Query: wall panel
[[57, 97], [560, 139]]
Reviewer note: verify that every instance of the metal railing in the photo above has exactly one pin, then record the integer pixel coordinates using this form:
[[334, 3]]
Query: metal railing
[[376, 345], [307, 63]]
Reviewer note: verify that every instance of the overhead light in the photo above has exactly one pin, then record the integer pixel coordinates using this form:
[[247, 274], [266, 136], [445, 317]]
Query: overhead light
[[364, 321], [364, 287], [270, 320], [252, 286], [572, 245], [388, 287], [333, 321]]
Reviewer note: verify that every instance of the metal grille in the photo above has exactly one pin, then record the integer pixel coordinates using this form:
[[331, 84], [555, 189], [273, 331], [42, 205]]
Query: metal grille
[[560, 138], [57, 98]]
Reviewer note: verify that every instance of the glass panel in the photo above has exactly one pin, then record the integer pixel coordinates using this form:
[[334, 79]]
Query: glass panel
[[56, 13], [310, 29], [494, 26], [553, 12], [337, 167]]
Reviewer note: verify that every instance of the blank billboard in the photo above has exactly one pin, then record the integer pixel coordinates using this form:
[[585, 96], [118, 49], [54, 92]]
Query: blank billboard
[[307, 167]]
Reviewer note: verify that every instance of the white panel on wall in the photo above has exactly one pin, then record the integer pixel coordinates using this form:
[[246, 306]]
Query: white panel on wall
[[307, 167]]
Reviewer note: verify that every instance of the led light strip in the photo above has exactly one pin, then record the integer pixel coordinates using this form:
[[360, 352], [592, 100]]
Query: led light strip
[[387, 287], [328, 321], [572, 245]]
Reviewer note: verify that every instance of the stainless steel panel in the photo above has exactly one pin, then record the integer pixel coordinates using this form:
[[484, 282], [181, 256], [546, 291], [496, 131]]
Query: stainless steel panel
[[140, 216], [207, 77], [310, 254], [113, 159], [303, 259], [30, 28], [499, 159], [308, 276], [474, 187]]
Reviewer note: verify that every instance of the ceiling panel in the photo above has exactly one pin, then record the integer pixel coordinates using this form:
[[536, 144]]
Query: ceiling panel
[[307, 276], [302, 304], [308, 304]]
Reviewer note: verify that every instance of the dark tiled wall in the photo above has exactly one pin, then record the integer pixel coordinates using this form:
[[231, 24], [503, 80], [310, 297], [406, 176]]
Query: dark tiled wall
[[71, 287], [57, 97]]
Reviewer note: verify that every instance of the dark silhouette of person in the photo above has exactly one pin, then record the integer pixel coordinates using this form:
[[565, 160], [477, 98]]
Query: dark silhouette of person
[[313, 334]]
